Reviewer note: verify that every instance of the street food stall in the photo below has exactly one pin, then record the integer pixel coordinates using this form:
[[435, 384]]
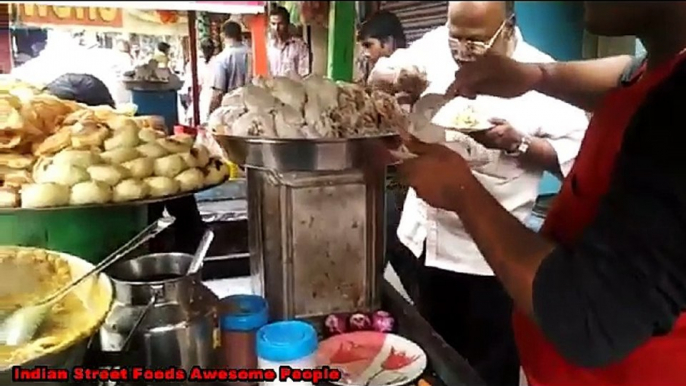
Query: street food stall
[[294, 271]]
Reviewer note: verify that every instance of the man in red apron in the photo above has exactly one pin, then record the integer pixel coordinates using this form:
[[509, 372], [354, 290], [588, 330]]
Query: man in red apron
[[600, 293]]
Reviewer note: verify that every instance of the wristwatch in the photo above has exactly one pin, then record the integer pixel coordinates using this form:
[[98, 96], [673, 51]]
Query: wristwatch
[[521, 148]]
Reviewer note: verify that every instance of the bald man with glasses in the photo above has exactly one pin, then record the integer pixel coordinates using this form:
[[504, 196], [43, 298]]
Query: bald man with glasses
[[458, 292]]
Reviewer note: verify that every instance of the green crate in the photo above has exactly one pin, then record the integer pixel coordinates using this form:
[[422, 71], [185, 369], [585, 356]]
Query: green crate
[[90, 233]]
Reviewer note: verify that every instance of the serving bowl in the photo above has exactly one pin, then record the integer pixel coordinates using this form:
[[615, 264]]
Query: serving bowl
[[96, 294]]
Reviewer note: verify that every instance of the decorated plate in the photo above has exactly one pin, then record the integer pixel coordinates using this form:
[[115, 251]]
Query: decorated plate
[[369, 358]]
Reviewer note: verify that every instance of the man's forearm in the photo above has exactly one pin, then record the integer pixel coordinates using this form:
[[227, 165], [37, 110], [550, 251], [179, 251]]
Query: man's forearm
[[216, 100], [542, 155], [513, 251], [582, 83]]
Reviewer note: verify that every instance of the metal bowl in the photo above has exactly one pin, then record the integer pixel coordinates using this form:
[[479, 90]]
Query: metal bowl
[[297, 154], [97, 295]]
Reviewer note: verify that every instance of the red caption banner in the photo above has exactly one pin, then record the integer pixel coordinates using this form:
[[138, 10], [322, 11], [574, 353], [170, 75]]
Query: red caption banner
[[197, 374]]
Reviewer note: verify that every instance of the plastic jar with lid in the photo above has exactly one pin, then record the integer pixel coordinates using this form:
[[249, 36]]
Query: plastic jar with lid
[[241, 316], [289, 343]]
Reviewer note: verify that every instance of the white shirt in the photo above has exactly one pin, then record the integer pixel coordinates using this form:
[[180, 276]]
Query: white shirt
[[103, 63], [206, 75], [205, 82], [448, 245]]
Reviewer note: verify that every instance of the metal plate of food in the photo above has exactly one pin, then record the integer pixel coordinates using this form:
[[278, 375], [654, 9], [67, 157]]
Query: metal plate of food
[[145, 201], [298, 154]]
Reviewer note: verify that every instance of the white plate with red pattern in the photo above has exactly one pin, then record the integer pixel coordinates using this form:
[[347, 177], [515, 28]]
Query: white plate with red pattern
[[369, 358]]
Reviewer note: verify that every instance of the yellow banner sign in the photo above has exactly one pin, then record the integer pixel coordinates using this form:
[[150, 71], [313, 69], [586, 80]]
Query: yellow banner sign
[[74, 16]]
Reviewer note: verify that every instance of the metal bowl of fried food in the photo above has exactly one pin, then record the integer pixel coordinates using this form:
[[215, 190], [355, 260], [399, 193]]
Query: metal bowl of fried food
[[303, 155], [28, 275]]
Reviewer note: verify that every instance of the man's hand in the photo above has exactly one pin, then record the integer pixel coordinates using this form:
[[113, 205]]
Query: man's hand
[[407, 83], [436, 173], [495, 75], [411, 81], [501, 137]]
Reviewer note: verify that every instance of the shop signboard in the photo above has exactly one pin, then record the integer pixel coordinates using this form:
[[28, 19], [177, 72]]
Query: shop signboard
[[41, 14], [241, 7]]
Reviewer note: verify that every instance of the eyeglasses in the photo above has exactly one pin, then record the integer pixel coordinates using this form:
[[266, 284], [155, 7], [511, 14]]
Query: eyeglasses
[[468, 50]]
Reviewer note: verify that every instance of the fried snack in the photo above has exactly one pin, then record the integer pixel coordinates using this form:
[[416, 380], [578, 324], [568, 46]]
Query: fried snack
[[90, 192], [129, 190], [89, 137], [10, 139], [189, 159], [51, 110], [83, 115], [190, 179], [169, 166], [55, 152], [162, 186], [40, 167], [16, 179], [12, 100], [173, 145], [152, 150], [140, 167], [117, 123], [215, 172], [201, 154], [54, 143], [183, 139], [108, 174], [33, 123], [104, 113], [125, 137], [17, 161], [149, 135], [119, 156], [9, 197], [44, 195], [63, 174], [80, 158], [10, 118]]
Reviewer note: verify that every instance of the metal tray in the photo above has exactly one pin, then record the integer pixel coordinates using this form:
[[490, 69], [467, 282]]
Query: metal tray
[[297, 154], [111, 204]]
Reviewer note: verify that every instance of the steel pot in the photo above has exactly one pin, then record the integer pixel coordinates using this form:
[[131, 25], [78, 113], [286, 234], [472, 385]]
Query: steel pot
[[160, 315]]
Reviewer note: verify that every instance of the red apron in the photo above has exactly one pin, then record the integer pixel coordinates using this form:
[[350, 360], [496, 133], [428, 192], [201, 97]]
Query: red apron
[[660, 361]]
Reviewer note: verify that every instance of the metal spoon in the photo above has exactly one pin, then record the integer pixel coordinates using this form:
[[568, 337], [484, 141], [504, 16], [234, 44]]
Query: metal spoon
[[21, 325], [201, 252]]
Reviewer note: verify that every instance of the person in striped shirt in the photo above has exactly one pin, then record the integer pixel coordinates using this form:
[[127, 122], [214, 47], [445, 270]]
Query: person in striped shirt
[[287, 54]]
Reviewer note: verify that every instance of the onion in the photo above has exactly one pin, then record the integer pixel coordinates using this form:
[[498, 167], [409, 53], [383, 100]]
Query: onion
[[360, 322], [382, 321], [335, 324]]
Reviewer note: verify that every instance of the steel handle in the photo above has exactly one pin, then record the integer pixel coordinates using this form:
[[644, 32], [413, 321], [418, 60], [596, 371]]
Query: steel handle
[[146, 234]]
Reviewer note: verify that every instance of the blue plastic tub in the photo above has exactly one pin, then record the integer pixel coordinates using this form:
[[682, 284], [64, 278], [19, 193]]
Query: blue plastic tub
[[162, 103]]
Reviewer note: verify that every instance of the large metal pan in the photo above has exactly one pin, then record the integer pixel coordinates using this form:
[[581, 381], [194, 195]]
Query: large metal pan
[[303, 155], [97, 295], [142, 202]]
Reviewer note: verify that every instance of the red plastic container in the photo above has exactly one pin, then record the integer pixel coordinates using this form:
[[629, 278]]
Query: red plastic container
[[183, 129]]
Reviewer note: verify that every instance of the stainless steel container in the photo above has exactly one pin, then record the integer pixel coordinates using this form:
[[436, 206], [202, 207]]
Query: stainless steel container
[[161, 316], [316, 221]]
